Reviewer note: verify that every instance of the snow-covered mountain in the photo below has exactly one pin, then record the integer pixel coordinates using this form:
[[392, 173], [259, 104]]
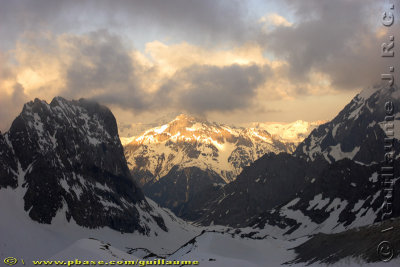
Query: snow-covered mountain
[[177, 160], [65, 158], [191, 142]]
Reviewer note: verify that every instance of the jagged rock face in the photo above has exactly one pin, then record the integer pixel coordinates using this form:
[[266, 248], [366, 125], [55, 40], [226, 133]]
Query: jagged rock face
[[180, 186], [192, 142], [358, 131], [70, 160]]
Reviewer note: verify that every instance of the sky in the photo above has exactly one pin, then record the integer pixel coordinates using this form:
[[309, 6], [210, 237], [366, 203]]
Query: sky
[[229, 61]]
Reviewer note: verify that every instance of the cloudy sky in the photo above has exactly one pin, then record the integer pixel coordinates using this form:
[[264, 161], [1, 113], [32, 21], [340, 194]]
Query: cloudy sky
[[231, 61]]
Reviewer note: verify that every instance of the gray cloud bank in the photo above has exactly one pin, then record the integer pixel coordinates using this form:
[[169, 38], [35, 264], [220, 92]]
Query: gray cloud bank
[[206, 21], [338, 38], [106, 71]]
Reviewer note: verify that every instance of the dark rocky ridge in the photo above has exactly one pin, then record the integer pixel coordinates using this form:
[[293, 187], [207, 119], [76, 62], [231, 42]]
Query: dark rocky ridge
[[268, 182], [181, 185], [358, 185], [360, 244], [68, 156]]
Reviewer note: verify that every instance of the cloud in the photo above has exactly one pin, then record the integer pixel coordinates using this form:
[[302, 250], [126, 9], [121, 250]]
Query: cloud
[[180, 55], [199, 89], [104, 67], [337, 38], [218, 58], [207, 21], [183, 76], [11, 104], [12, 95], [106, 72], [274, 19]]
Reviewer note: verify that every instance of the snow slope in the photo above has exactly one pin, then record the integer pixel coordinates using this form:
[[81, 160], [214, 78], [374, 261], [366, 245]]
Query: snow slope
[[24, 238], [28, 240]]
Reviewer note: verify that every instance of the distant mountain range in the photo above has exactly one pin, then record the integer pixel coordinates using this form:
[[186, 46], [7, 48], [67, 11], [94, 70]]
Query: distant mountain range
[[187, 141], [175, 161]]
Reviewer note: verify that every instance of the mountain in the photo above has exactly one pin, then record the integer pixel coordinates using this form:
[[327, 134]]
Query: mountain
[[181, 185], [296, 196], [261, 186], [287, 207], [312, 191], [358, 132], [66, 158], [188, 141], [179, 159], [67, 194]]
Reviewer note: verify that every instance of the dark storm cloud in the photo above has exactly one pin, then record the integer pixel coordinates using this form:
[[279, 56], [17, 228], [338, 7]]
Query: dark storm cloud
[[205, 20], [103, 68], [18, 16], [100, 62], [200, 89], [208, 20], [334, 37]]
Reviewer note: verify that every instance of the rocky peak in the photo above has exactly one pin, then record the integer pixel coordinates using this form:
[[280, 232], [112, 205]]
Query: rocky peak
[[69, 160]]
